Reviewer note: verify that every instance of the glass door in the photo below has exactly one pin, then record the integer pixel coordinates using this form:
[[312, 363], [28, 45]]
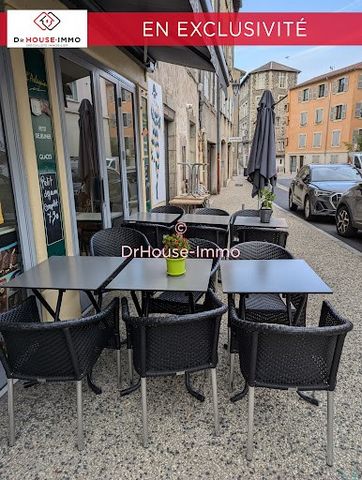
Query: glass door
[[82, 146], [130, 154]]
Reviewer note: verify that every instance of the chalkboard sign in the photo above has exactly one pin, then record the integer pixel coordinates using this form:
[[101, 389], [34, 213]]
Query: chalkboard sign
[[41, 117], [51, 207]]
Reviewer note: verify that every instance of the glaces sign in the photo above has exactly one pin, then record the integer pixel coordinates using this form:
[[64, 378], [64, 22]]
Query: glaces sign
[[47, 29]]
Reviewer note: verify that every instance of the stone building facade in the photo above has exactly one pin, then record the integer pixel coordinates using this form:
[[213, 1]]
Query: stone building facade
[[278, 79]]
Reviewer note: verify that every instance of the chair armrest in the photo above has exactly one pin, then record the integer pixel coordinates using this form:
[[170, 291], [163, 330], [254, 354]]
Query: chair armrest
[[26, 312]]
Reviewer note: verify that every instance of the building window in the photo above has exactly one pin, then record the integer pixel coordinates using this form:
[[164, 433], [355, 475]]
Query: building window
[[334, 158], [286, 141], [336, 138], [302, 140], [358, 110], [360, 81], [342, 85], [322, 90], [71, 91], [260, 81], [319, 115], [305, 95], [315, 158], [282, 80], [303, 118], [317, 140], [338, 112]]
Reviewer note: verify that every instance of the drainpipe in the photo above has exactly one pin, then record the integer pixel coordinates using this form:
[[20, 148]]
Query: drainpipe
[[218, 128]]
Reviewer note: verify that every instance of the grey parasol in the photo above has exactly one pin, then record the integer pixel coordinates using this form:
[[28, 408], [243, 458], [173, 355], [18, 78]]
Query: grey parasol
[[88, 167], [262, 169]]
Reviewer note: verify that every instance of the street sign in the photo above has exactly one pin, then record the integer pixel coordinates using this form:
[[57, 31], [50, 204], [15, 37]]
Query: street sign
[[235, 139]]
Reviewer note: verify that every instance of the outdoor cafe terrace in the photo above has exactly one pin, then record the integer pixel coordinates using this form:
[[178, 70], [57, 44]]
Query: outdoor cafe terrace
[[289, 433]]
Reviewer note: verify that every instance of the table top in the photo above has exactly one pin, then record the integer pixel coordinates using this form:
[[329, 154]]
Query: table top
[[94, 216], [270, 276], [149, 217], [149, 274], [205, 219], [68, 273], [255, 222], [189, 200]]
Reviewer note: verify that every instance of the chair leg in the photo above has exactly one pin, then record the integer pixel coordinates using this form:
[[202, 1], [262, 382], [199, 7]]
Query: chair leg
[[214, 398], [11, 411], [231, 378], [80, 432], [330, 415], [130, 366], [249, 447], [144, 412], [119, 382]]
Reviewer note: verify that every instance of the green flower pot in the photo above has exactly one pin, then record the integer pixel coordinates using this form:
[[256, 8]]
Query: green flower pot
[[176, 266]]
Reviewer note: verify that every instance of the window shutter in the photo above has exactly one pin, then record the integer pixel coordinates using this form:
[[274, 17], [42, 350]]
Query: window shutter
[[358, 111], [346, 83], [314, 93], [326, 89], [335, 87], [354, 136], [344, 110], [300, 96], [333, 113]]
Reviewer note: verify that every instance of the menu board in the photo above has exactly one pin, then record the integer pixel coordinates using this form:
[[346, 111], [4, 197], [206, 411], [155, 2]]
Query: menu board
[[44, 146]]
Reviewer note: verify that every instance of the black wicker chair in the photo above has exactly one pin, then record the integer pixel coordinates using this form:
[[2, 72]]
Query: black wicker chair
[[179, 302], [169, 209], [154, 232], [270, 235], [212, 234], [110, 243], [265, 308], [165, 345], [63, 351], [211, 211], [284, 357], [234, 228]]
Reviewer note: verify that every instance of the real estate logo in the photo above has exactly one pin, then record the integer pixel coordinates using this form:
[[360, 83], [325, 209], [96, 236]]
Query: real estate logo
[[47, 21], [47, 29]]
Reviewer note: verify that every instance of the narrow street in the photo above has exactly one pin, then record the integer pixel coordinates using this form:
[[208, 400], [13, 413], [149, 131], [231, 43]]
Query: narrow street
[[326, 224]]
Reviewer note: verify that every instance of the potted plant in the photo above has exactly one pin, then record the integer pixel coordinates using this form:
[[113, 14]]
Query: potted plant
[[176, 249], [267, 196]]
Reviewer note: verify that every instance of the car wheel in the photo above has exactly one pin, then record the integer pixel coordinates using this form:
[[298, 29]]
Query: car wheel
[[344, 222], [307, 210], [292, 206]]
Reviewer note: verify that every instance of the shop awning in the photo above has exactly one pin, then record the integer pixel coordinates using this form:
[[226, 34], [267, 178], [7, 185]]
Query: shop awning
[[204, 58]]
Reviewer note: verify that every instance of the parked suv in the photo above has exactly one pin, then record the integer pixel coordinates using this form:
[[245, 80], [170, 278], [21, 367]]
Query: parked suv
[[318, 188], [349, 212]]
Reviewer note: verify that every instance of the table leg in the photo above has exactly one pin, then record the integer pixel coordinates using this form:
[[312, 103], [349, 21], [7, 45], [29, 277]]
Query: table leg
[[289, 308], [242, 313], [192, 391], [145, 304], [93, 301], [300, 310], [58, 306], [42, 300]]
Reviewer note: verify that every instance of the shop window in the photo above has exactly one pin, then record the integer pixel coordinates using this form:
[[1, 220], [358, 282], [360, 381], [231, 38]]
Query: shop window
[[334, 158], [315, 158], [10, 254]]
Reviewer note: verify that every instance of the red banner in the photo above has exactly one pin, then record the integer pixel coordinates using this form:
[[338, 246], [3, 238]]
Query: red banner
[[125, 29]]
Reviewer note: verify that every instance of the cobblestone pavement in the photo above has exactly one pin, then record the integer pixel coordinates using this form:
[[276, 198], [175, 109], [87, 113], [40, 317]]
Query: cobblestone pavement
[[289, 433]]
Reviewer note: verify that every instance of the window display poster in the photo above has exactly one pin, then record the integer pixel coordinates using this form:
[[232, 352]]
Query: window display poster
[[44, 146], [157, 147]]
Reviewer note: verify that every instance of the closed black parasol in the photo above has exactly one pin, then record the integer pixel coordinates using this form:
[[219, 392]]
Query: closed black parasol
[[262, 168]]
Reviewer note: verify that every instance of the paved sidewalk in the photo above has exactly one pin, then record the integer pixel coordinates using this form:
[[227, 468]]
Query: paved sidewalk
[[289, 433]]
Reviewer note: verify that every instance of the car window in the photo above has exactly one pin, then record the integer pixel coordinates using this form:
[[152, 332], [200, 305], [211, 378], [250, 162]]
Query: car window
[[343, 173]]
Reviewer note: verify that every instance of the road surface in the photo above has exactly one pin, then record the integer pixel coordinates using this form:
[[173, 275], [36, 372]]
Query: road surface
[[323, 223]]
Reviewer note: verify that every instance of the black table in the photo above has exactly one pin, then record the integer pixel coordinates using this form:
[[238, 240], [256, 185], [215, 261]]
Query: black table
[[210, 220], [149, 275], [88, 274], [167, 219], [256, 223], [246, 277]]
